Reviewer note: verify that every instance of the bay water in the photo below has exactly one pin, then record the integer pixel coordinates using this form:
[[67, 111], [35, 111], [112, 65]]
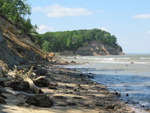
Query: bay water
[[128, 75]]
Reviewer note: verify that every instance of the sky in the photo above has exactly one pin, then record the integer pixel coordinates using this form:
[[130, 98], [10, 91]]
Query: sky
[[128, 20]]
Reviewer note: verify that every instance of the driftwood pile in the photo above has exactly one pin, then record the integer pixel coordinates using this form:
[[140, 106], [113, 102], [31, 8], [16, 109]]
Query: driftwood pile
[[25, 82]]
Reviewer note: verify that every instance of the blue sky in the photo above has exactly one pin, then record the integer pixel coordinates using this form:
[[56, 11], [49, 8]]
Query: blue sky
[[128, 20]]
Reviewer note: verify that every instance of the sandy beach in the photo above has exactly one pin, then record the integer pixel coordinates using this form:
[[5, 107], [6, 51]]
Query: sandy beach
[[71, 92]]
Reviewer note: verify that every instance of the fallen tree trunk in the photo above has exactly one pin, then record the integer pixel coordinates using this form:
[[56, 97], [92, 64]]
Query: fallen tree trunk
[[33, 87], [25, 77]]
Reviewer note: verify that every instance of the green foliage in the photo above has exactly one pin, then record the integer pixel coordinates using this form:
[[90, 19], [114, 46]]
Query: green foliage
[[18, 11], [45, 46], [72, 40]]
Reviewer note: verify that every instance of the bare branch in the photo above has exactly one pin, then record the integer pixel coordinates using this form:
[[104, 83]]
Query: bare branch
[[39, 78], [29, 72]]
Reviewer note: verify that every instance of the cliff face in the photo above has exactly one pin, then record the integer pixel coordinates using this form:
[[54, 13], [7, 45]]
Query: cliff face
[[95, 48], [16, 49]]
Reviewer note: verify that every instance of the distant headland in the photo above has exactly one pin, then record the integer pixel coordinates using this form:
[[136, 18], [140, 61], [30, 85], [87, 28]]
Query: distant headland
[[79, 42]]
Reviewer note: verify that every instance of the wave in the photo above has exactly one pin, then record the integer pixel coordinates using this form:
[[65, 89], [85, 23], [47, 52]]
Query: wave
[[123, 58], [115, 62], [144, 58]]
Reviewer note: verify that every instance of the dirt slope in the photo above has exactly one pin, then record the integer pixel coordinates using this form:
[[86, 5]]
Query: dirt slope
[[16, 49]]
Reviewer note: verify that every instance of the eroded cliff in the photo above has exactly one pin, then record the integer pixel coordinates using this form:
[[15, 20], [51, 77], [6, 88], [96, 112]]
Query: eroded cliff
[[16, 49], [95, 48]]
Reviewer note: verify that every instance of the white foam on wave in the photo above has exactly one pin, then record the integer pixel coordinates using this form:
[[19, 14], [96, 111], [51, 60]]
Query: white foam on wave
[[123, 58], [142, 62], [144, 58], [115, 62]]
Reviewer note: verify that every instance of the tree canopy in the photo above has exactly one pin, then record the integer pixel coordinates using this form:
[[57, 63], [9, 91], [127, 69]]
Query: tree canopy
[[72, 40], [18, 11]]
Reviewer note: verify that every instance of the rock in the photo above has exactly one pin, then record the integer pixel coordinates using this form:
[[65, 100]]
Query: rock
[[51, 55], [18, 85], [71, 104], [132, 62], [40, 101], [23, 104], [1, 95], [69, 87], [142, 105], [2, 100], [2, 83], [99, 104], [78, 85], [60, 97], [41, 71], [78, 98], [53, 86], [42, 82], [86, 105], [76, 89], [73, 62], [68, 92], [110, 106], [64, 104], [90, 76], [118, 94], [127, 95]]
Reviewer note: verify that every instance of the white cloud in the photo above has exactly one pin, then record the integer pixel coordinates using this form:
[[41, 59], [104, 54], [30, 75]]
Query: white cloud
[[57, 10], [142, 16], [148, 32], [104, 29], [44, 28]]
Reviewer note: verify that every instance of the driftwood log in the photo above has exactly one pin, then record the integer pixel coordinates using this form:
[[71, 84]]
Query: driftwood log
[[25, 77]]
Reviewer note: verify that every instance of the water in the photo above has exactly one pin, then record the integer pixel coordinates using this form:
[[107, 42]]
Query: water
[[127, 74]]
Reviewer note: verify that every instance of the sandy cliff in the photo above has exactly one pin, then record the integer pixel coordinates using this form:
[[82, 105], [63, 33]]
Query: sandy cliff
[[95, 48], [16, 49]]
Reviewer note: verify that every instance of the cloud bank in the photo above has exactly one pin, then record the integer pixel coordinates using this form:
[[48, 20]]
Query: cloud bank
[[44, 28], [148, 32], [142, 16], [57, 10]]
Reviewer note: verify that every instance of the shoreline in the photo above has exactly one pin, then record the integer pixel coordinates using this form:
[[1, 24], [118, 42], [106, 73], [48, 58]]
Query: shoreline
[[117, 95], [72, 92], [135, 106]]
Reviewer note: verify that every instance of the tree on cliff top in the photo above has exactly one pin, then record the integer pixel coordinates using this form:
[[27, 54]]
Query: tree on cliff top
[[18, 11], [72, 40]]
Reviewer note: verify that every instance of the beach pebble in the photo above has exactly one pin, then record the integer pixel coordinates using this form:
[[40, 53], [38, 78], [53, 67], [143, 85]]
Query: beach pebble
[[110, 106], [127, 94], [118, 94]]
